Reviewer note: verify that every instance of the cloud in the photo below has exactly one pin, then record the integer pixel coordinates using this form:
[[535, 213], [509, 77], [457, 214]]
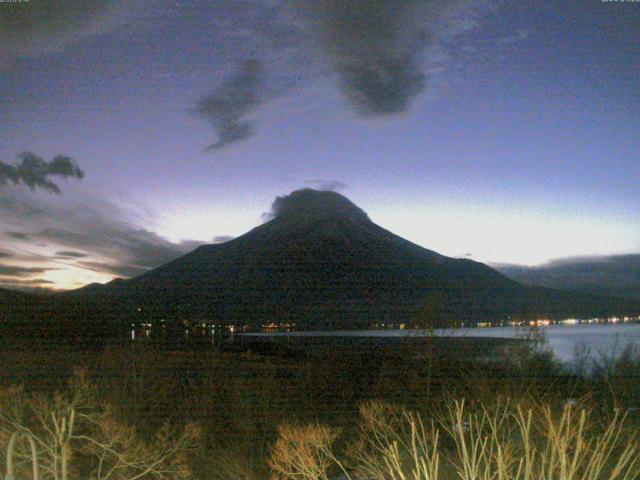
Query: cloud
[[333, 185], [70, 254], [5, 255], [35, 29], [519, 36], [34, 285], [226, 109], [222, 238], [34, 172], [18, 207], [374, 47], [17, 271], [125, 271], [135, 249], [29, 282], [16, 235], [81, 231], [376, 51]]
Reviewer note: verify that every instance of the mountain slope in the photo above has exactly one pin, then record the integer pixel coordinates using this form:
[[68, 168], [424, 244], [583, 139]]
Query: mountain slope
[[17, 305], [320, 261], [617, 275]]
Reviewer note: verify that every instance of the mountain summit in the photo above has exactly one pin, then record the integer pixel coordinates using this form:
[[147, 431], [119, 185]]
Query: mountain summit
[[320, 261], [312, 205]]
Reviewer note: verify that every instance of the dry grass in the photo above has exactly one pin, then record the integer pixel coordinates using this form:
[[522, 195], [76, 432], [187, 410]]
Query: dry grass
[[240, 404], [394, 444], [505, 442], [514, 442]]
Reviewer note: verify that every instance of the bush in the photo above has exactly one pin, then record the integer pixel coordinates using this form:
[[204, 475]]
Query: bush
[[77, 436]]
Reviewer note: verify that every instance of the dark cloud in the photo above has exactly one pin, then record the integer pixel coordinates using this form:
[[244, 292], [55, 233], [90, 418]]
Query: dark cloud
[[5, 255], [71, 255], [125, 271], [34, 29], [136, 249], [17, 235], [333, 185], [31, 281], [374, 47], [16, 271], [32, 285], [77, 225], [21, 209], [230, 104], [377, 50], [34, 172]]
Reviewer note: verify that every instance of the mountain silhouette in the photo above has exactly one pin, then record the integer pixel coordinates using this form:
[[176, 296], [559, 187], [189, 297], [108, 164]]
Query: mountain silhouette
[[321, 262], [612, 275]]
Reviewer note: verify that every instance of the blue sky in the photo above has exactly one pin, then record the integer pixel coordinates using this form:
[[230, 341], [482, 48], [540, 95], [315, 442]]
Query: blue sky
[[506, 132]]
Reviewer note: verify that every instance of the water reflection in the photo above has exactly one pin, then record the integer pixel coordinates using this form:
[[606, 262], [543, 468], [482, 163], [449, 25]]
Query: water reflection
[[167, 335], [592, 338], [598, 339]]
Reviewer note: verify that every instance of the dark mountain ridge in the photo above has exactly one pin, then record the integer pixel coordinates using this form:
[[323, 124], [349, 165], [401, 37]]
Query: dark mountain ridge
[[321, 262], [614, 275]]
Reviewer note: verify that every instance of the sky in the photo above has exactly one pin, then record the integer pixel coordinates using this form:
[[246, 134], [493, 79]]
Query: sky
[[501, 131]]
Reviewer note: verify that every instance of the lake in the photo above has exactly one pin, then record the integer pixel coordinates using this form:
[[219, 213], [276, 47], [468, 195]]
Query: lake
[[601, 339]]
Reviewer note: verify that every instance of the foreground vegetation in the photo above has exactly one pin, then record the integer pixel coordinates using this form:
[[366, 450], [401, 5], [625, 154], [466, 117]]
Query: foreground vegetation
[[136, 412]]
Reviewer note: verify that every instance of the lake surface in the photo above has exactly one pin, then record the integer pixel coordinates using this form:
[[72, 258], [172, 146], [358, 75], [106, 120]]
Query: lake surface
[[600, 339]]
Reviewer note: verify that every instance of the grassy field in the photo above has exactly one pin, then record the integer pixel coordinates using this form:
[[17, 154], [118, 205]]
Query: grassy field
[[135, 411]]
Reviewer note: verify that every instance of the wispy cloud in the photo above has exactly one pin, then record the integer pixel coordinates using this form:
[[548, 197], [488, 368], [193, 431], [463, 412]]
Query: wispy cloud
[[68, 254], [222, 238], [29, 285], [520, 36], [333, 185], [116, 270], [16, 235], [35, 29], [79, 232], [17, 271]]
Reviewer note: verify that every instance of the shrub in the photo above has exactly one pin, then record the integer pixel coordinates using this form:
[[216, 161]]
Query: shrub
[[77, 436], [303, 453], [504, 441]]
